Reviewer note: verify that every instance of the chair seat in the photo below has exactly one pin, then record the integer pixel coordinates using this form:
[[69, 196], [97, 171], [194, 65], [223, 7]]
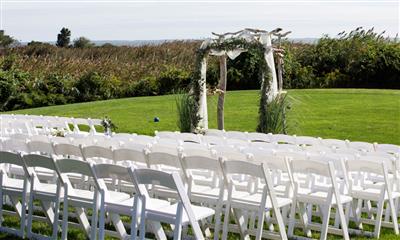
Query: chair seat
[[125, 206], [205, 193], [319, 197], [167, 214], [116, 197], [370, 193], [252, 201], [13, 185]]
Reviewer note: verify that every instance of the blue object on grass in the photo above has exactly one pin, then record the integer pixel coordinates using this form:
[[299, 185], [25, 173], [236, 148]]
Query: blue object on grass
[[156, 119]]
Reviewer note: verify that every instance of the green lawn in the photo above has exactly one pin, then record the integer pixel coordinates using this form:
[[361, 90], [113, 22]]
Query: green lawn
[[354, 114]]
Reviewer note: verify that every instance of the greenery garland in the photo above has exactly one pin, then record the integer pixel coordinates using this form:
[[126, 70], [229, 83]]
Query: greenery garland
[[228, 45]]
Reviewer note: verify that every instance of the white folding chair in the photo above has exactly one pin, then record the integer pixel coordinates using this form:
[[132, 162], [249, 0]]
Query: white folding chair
[[112, 202], [80, 199], [179, 214], [380, 192], [14, 188], [253, 200], [207, 193], [49, 194], [325, 194]]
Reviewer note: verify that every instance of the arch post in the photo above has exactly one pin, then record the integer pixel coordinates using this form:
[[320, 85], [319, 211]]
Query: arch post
[[222, 88]]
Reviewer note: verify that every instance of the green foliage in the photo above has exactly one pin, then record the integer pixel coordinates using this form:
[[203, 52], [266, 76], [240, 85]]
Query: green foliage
[[144, 87], [5, 40], [273, 118], [83, 42], [172, 79], [356, 59], [63, 38], [187, 114], [92, 86]]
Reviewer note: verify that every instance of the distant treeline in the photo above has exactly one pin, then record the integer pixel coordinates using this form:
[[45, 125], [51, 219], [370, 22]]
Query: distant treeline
[[42, 74]]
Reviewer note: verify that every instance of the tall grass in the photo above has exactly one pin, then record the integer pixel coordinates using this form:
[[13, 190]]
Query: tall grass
[[186, 112], [274, 119], [126, 63]]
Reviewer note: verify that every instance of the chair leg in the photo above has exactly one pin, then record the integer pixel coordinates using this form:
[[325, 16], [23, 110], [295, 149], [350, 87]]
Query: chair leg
[[119, 225], [394, 216], [217, 220], [378, 220], [356, 212], [325, 222], [304, 218], [260, 223], [23, 214], [343, 221], [226, 221], [292, 217], [93, 225], [64, 232], [30, 216], [102, 222], [56, 217]]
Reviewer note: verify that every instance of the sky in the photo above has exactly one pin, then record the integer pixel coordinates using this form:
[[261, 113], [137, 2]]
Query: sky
[[41, 20]]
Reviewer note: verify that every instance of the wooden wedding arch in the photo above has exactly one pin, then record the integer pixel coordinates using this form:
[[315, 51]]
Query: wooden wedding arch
[[231, 45]]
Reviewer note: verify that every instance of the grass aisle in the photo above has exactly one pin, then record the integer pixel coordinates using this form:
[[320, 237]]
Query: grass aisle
[[355, 114]]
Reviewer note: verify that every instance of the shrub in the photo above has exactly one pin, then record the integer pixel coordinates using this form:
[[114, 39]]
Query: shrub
[[172, 79], [144, 87], [273, 116], [89, 87], [187, 115]]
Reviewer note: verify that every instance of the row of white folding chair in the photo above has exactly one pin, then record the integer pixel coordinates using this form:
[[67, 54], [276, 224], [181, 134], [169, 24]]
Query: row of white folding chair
[[304, 140], [110, 201], [47, 124]]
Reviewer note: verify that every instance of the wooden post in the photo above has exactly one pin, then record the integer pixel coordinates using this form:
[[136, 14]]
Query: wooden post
[[222, 87]]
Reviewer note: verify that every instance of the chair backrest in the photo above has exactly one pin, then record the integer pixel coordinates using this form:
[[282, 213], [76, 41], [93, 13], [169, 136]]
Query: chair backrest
[[366, 166], [229, 153], [236, 135], [66, 150], [259, 137], [310, 167], [15, 145], [334, 143], [153, 177], [308, 141], [201, 163], [35, 160], [213, 140], [11, 158], [283, 139], [166, 134], [112, 171], [362, 146], [389, 148], [189, 137], [162, 158], [243, 168], [130, 155], [75, 166], [41, 147], [97, 154], [199, 150], [215, 132]]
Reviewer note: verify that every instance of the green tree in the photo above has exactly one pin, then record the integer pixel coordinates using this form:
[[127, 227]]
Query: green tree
[[63, 38], [5, 40], [83, 42]]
